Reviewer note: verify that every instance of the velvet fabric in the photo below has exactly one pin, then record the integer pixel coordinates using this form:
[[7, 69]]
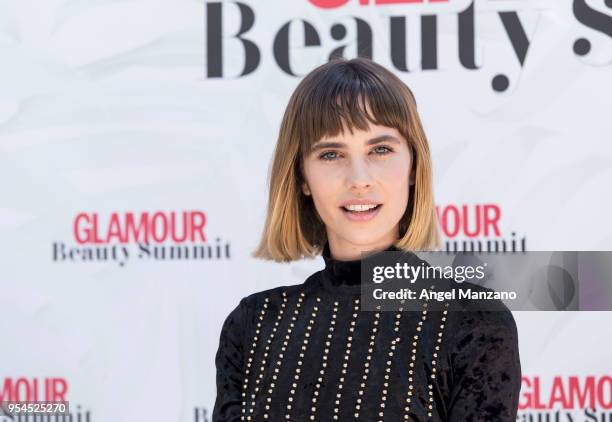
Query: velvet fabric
[[308, 353]]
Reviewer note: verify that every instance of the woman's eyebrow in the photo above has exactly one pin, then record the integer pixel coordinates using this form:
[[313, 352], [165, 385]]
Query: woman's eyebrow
[[373, 141], [383, 138]]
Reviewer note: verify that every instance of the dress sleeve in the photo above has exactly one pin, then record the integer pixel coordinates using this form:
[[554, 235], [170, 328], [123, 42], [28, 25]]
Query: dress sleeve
[[229, 362], [486, 368]]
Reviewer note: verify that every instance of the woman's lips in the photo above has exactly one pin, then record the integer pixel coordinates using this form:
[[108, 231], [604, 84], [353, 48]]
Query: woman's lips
[[360, 216]]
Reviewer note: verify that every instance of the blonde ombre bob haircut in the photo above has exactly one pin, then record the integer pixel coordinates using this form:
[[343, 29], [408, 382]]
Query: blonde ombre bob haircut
[[329, 99]]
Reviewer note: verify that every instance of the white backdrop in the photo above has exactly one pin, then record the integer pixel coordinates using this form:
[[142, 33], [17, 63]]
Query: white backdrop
[[111, 109]]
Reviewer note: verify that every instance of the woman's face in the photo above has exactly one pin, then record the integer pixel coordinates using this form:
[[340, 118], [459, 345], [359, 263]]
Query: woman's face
[[368, 167]]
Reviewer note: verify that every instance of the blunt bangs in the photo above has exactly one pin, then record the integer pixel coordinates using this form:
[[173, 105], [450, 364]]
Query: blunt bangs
[[346, 98]]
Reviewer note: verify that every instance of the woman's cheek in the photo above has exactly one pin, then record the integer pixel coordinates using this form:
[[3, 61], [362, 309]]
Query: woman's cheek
[[394, 172], [324, 192]]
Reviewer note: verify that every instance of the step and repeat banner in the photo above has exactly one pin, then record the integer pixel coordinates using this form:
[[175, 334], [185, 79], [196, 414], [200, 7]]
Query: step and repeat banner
[[135, 144]]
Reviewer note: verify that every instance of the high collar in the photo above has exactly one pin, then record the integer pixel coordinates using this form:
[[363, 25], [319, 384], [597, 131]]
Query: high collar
[[345, 276]]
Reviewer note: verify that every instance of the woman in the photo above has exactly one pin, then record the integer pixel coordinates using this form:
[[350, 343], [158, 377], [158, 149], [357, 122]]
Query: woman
[[352, 172]]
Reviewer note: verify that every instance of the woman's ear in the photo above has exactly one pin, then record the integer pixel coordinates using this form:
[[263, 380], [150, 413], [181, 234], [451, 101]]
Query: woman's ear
[[412, 177], [303, 183]]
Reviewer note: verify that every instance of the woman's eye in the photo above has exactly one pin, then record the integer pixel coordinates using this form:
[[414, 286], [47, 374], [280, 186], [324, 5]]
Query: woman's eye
[[385, 150], [326, 155], [333, 155]]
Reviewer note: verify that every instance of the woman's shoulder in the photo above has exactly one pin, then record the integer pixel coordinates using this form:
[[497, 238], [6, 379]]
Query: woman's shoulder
[[273, 298], [483, 354], [480, 322], [482, 304]]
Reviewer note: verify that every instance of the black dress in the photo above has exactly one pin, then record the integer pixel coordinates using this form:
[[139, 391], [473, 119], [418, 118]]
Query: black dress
[[307, 353]]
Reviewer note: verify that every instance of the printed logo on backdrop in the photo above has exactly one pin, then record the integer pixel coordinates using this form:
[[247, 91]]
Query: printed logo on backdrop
[[477, 228], [201, 414], [145, 236], [230, 33], [566, 398], [37, 390]]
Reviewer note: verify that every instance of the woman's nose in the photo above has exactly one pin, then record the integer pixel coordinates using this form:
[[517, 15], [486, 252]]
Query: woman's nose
[[359, 175]]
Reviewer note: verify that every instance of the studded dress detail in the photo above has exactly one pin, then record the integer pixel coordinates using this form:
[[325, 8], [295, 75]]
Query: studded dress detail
[[308, 353]]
